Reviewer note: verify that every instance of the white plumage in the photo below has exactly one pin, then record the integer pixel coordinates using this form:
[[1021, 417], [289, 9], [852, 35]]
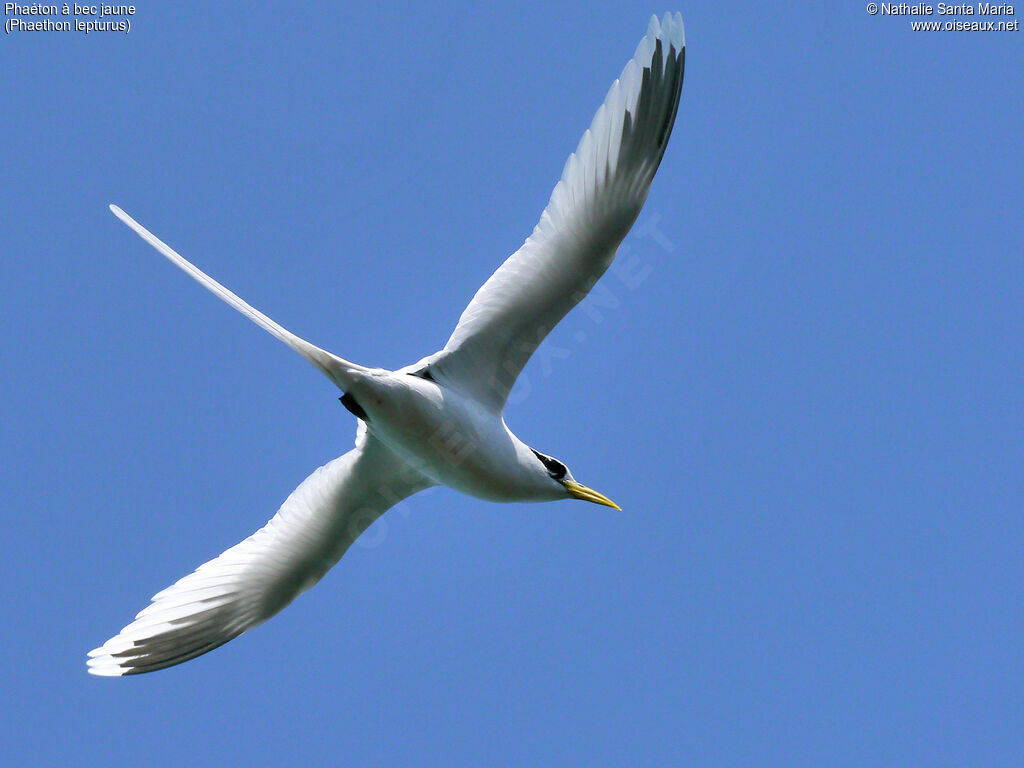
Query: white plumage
[[438, 421], [604, 185], [259, 576]]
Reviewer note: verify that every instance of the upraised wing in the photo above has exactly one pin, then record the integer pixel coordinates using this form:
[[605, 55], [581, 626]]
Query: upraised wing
[[256, 578], [603, 186]]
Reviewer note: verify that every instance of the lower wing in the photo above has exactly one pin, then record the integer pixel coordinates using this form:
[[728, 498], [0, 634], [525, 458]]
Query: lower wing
[[256, 578]]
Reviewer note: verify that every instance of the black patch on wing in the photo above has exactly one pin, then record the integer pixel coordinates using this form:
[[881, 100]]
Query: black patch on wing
[[423, 373], [353, 407]]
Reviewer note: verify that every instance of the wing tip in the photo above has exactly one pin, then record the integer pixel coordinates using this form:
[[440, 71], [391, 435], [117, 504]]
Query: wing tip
[[102, 664], [669, 28], [677, 29]]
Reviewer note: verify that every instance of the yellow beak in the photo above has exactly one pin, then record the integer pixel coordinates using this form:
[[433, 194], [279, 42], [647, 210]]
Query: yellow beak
[[578, 491]]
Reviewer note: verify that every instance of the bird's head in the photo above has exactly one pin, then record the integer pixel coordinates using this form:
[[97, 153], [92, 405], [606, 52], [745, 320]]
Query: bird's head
[[560, 476]]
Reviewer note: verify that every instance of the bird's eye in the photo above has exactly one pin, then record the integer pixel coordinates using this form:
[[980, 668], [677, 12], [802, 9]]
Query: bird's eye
[[554, 467]]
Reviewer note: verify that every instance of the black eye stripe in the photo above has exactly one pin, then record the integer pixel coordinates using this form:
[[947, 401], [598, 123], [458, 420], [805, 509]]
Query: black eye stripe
[[555, 468]]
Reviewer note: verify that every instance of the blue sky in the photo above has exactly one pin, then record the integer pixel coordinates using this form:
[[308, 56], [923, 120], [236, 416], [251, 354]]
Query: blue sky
[[804, 388]]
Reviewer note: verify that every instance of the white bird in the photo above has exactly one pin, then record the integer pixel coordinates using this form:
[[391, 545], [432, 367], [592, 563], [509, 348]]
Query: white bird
[[438, 421]]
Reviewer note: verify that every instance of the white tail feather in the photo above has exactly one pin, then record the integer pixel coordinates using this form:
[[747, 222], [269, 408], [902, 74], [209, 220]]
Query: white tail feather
[[334, 367]]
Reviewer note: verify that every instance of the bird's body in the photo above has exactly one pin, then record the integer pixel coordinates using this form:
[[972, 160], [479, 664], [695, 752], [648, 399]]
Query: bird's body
[[438, 421], [449, 437]]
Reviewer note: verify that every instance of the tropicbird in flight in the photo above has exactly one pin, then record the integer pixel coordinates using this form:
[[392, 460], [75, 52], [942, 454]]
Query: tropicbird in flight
[[438, 421]]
